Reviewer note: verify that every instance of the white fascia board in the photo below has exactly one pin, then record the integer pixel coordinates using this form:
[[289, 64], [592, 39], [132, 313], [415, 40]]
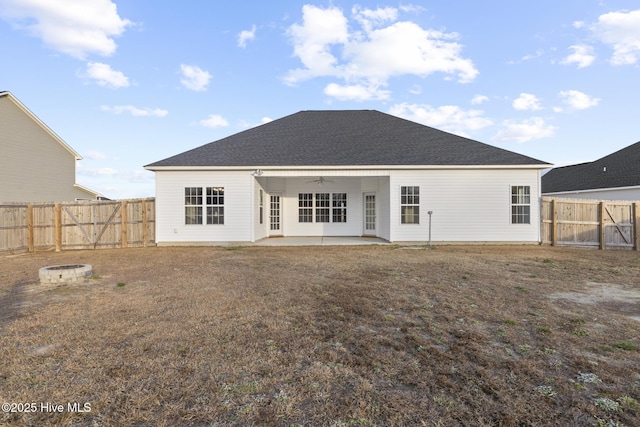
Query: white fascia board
[[88, 190], [350, 167], [592, 190]]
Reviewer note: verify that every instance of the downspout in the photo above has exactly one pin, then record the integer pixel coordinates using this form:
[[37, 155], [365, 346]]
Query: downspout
[[252, 222], [539, 207]]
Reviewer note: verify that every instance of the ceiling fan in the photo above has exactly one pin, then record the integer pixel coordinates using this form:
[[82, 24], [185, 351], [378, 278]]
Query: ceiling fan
[[320, 180]]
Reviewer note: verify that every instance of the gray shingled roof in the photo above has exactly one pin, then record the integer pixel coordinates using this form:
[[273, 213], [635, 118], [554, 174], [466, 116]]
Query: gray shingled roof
[[619, 169], [344, 138]]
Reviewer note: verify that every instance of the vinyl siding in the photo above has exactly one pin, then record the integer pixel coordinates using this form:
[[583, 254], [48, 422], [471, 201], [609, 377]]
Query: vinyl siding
[[631, 193], [34, 167], [467, 205], [170, 207]]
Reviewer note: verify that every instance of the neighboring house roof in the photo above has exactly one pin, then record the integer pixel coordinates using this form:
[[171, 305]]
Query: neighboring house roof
[[344, 138], [41, 124], [619, 169]]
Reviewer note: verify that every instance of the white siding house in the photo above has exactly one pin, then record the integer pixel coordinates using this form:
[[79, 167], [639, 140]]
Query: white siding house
[[347, 173], [36, 165]]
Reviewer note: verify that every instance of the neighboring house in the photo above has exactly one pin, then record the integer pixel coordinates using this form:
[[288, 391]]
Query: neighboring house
[[36, 165], [347, 173], [613, 177]]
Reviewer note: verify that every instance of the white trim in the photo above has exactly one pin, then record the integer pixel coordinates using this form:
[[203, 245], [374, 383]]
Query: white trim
[[593, 190], [266, 169], [83, 188]]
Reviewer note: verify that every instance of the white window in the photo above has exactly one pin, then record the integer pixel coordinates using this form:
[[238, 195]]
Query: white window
[[195, 202], [215, 205], [261, 206], [305, 207], [193, 205], [322, 207], [410, 205], [339, 207], [520, 204]]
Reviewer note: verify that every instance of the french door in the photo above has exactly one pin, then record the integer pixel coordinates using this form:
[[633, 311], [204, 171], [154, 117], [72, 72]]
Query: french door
[[369, 214], [275, 215]]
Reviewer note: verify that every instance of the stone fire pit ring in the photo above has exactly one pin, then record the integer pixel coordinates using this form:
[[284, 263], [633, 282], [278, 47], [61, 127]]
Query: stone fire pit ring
[[65, 273]]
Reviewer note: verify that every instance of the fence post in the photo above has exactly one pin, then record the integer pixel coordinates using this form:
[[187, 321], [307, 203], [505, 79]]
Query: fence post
[[30, 227], [603, 243], [123, 224], [144, 223], [554, 223], [636, 226], [58, 226]]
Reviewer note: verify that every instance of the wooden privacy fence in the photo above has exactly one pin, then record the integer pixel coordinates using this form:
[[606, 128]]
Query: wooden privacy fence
[[77, 225], [606, 224]]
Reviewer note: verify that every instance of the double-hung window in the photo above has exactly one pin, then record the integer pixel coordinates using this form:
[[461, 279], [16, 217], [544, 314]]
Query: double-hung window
[[339, 207], [305, 207], [410, 205], [193, 205], [322, 207], [520, 204], [261, 205], [215, 205], [199, 200]]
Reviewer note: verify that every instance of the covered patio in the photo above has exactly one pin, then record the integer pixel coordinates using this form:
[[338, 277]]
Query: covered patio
[[320, 241]]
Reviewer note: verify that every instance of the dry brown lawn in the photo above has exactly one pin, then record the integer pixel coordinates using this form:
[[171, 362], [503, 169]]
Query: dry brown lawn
[[324, 336]]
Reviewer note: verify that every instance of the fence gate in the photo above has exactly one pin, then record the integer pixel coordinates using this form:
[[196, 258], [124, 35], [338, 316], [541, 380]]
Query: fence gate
[[91, 225], [617, 220]]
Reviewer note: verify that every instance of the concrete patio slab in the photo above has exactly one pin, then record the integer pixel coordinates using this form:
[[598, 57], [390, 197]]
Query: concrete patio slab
[[320, 241]]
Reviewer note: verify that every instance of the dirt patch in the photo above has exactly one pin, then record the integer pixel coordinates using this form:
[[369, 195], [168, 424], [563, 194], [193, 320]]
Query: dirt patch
[[617, 298], [335, 336]]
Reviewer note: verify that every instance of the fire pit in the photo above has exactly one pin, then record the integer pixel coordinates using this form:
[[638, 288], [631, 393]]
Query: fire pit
[[65, 273]]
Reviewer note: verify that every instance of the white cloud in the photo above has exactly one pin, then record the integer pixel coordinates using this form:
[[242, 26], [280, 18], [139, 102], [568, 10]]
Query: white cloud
[[134, 111], [523, 131], [320, 29], [194, 78], [447, 117], [479, 99], [246, 125], [412, 8], [528, 57], [620, 30], [328, 46], [105, 76], [133, 176], [356, 92], [245, 36], [578, 100], [214, 121], [527, 101], [74, 27], [370, 18], [95, 155], [582, 56]]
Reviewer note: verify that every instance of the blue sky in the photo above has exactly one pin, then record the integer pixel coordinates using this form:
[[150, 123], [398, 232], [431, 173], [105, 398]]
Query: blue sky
[[130, 83]]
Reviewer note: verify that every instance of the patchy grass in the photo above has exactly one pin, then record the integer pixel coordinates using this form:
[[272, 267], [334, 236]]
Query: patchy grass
[[334, 336]]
